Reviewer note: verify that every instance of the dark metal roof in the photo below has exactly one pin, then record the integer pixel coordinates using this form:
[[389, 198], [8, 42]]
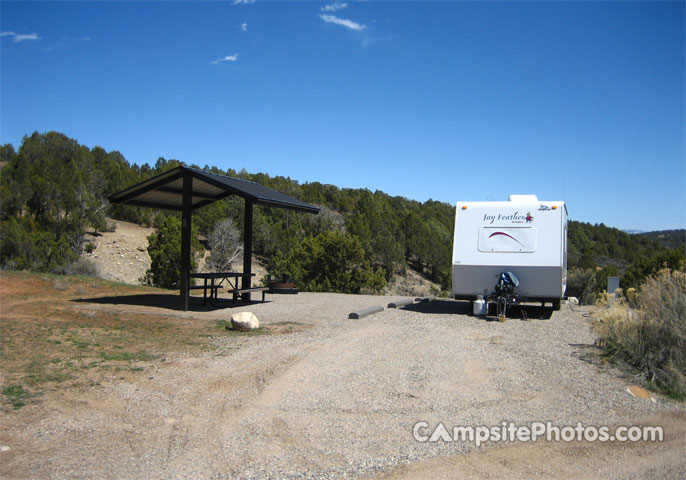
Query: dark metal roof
[[165, 191]]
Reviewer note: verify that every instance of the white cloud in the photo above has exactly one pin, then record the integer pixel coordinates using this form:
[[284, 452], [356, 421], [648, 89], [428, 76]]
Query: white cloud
[[245, 2], [30, 36], [335, 6], [244, 26], [228, 58], [342, 21], [20, 37], [68, 42]]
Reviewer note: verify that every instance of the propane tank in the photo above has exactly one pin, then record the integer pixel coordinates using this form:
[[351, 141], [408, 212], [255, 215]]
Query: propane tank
[[480, 308]]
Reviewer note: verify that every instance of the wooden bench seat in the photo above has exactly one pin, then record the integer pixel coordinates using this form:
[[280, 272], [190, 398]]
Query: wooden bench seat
[[239, 291]]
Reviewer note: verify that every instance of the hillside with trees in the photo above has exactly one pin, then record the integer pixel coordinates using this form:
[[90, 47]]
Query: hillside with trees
[[52, 189], [596, 252], [668, 238]]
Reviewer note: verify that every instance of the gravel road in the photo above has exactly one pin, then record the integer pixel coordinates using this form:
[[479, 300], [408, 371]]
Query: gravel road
[[338, 398]]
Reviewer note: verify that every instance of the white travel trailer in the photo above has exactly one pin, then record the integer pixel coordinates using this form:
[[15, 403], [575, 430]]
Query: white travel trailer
[[524, 236]]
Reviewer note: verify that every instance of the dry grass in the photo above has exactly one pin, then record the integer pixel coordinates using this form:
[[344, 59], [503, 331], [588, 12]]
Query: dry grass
[[50, 342], [652, 338]]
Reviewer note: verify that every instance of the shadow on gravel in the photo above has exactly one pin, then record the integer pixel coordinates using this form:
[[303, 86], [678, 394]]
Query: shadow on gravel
[[529, 312], [167, 301], [589, 353], [455, 307], [438, 306]]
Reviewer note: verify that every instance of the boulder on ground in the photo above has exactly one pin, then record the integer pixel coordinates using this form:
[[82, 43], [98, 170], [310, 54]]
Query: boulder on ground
[[244, 321], [573, 301]]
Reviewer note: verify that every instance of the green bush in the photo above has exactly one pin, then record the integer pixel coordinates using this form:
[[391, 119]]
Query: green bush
[[649, 265], [581, 283], [652, 339], [24, 245], [165, 254], [330, 262]]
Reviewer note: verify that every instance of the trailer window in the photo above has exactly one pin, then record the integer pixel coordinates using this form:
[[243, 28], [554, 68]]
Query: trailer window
[[507, 239]]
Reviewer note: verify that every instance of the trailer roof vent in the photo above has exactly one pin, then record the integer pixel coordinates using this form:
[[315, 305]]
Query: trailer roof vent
[[523, 198]]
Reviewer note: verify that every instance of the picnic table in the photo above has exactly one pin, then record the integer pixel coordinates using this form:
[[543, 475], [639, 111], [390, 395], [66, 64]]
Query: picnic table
[[213, 281]]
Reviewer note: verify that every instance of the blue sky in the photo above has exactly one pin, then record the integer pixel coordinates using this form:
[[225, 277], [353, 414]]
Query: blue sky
[[454, 101]]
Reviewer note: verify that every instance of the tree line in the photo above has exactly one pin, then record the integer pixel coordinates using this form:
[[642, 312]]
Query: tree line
[[597, 252], [52, 189]]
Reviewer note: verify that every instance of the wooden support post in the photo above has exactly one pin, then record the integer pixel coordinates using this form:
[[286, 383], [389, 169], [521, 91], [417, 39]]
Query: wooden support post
[[186, 228], [247, 249]]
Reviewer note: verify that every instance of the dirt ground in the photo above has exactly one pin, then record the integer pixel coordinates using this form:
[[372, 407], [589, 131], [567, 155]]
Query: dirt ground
[[121, 255], [560, 460], [104, 380]]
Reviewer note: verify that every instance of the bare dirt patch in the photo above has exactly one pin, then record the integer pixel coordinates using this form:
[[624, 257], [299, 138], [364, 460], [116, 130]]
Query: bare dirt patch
[[411, 283], [49, 342], [121, 255]]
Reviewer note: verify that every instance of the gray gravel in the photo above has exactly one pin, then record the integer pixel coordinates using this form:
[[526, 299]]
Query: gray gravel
[[337, 400]]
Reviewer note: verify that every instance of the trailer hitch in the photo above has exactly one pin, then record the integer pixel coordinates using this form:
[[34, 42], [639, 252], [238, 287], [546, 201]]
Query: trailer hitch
[[505, 293]]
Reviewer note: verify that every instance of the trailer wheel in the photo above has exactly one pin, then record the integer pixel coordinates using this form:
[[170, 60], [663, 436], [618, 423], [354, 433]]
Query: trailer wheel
[[556, 304]]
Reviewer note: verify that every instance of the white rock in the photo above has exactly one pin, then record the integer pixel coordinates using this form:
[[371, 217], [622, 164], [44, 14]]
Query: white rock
[[573, 301], [5, 448], [244, 321]]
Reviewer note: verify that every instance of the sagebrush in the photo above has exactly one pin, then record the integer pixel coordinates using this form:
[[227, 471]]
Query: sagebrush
[[651, 338]]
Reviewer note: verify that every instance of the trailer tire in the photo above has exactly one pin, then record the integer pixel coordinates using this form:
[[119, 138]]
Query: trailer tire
[[557, 304]]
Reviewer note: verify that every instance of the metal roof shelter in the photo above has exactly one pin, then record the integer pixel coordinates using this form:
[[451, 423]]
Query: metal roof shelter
[[186, 189]]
